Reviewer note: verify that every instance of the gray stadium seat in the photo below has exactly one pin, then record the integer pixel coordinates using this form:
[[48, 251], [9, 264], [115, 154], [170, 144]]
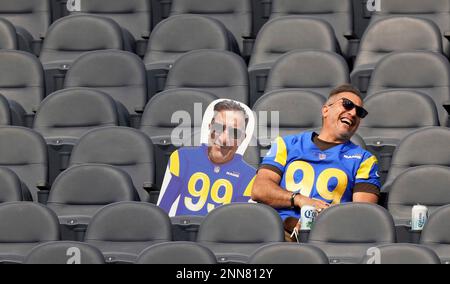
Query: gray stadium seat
[[437, 11], [119, 74], [400, 71], [345, 232], [80, 191], [31, 20], [8, 38], [339, 13], [65, 253], [176, 36], [22, 83], [282, 35], [236, 15], [248, 227], [288, 253], [317, 71], [158, 124], [297, 111], [221, 73], [427, 146], [11, 187], [436, 233], [126, 148], [24, 151], [389, 35], [5, 112], [23, 226], [386, 126], [424, 185], [66, 115], [160, 10], [176, 253], [123, 230], [69, 37], [133, 16], [404, 254]]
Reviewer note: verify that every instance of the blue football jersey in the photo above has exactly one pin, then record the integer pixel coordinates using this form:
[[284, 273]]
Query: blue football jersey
[[197, 185], [327, 175]]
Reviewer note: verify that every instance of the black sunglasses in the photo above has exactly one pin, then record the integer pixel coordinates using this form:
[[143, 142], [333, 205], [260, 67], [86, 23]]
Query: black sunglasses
[[233, 133], [349, 105]]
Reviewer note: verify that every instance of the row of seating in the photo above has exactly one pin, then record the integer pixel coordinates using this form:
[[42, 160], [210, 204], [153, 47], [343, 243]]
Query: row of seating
[[346, 233], [192, 253]]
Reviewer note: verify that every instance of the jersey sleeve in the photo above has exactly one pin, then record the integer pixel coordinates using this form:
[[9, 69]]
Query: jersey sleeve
[[171, 187], [277, 155], [368, 171]]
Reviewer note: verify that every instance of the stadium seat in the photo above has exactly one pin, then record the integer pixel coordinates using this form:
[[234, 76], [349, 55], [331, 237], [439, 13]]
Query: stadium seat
[[282, 35], [8, 38], [176, 253], [23, 226], [125, 148], [31, 20], [288, 253], [176, 36], [23, 151], [236, 15], [403, 254], [386, 126], [80, 191], [119, 74], [160, 10], [345, 232], [162, 124], [424, 185], [65, 253], [5, 112], [317, 71], [221, 73], [437, 11], [22, 84], [11, 187], [400, 71], [339, 13], [123, 230], [69, 37], [133, 16], [389, 35], [427, 146], [235, 231], [66, 115], [286, 112], [436, 233]]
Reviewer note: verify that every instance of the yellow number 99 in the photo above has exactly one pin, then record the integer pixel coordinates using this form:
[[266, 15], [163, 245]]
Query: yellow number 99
[[202, 193]]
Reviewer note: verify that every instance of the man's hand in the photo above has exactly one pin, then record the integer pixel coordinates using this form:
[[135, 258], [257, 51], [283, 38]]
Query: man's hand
[[320, 205]]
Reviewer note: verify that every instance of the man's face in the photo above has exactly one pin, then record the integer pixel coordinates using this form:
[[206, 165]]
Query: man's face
[[227, 131], [338, 121]]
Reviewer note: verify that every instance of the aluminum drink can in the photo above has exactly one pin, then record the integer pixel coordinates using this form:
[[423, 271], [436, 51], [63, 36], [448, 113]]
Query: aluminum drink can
[[419, 217], [308, 215]]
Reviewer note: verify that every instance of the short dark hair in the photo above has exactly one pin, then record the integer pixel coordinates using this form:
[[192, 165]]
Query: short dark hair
[[346, 88], [229, 105]]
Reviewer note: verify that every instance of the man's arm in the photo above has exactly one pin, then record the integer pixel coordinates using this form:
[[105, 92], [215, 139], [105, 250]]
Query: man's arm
[[365, 197], [267, 190]]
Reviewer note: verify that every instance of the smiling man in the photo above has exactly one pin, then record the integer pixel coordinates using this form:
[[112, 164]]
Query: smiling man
[[199, 179], [320, 169]]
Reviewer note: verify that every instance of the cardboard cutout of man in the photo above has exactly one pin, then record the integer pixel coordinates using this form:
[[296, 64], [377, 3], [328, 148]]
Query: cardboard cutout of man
[[200, 179]]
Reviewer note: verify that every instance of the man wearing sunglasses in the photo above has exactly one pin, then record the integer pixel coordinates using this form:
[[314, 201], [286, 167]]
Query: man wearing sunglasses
[[320, 169], [200, 179]]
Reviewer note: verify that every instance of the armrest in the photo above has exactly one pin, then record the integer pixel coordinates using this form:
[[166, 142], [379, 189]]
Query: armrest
[[139, 109], [35, 109], [447, 107], [145, 35], [447, 35], [150, 187], [350, 35], [42, 185]]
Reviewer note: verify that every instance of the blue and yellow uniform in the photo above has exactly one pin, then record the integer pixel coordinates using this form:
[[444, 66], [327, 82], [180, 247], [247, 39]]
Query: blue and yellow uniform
[[195, 186], [328, 175]]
